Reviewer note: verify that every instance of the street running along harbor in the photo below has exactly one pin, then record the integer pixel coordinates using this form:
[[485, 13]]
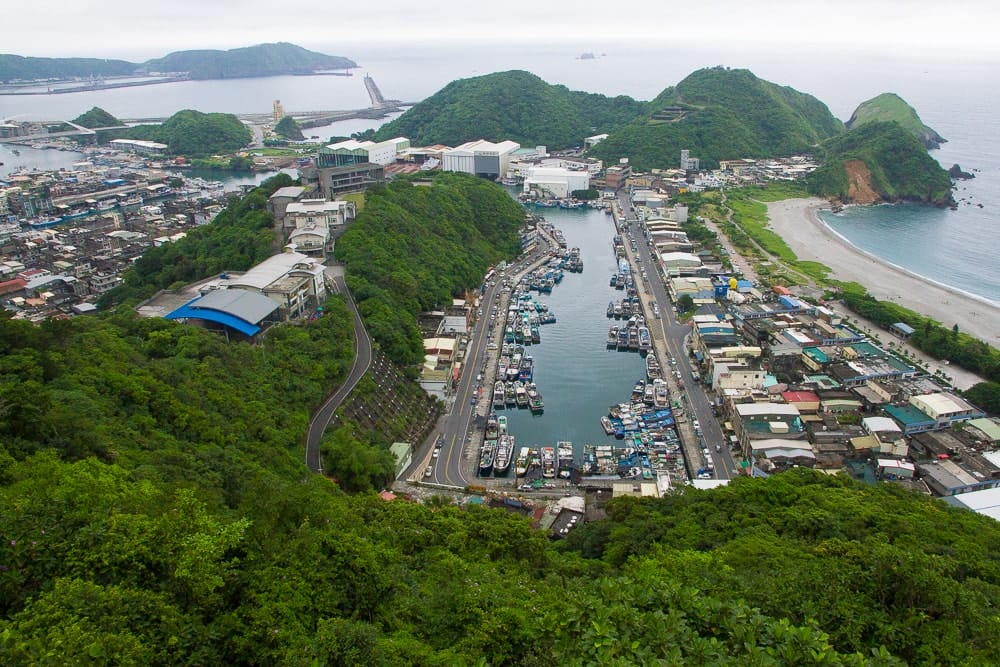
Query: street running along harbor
[[797, 222]]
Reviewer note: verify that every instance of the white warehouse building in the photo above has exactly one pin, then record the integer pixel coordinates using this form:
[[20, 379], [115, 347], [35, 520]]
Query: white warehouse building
[[480, 158], [556, 181]]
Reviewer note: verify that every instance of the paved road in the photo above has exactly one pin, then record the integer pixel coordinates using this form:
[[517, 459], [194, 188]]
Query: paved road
[[460, 430], [362, 361], [698, 405]]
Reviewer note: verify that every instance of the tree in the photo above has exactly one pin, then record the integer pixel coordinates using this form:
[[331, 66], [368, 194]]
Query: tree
[[685, 303], [289, 128]]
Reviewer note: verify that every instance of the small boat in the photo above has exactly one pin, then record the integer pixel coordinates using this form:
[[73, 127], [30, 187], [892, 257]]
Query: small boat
[[548, 462], [521, 463], [492, 427], [535, 402], [652, 367], [564, 458], [611, 308], [505, 451], [527, 370], [499, 394], [613, 337], [486, 457], [510, 394], [606, 425], [521, 395]]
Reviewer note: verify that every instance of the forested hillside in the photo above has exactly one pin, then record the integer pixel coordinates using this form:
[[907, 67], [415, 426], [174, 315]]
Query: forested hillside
[[260, 60], [513, 105], [414, 248], [896, 167], [720, 114], [195, 134]]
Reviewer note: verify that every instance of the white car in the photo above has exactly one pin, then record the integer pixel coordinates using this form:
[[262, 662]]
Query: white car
[[429, 471], [436, 453]]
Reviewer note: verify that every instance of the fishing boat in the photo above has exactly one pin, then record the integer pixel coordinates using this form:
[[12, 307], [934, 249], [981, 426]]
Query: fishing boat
[[633, 339], [535, 402], [564, 458], [527, 371], [606, 425], [486, 457], [521, 463], [622, 338], [492, 427], [652, 367], [499, 394], [613, 282], [617, 313], [611, 308], [510, 394], [613, 337], [520, 395], [505, 450], [645, 342], [548, 462]]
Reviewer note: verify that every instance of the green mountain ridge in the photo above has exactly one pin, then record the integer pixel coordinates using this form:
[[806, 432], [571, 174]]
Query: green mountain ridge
[[891, 107], [195, 134], [898, 165], [720, 113], [252, 61], [515, 105]]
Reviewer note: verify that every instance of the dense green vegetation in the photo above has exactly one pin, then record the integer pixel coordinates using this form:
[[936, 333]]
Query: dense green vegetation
[[259, 60], [721, 114], [899, 165], [513, 105], [13, 67], [868, 566], [414, 248], [97, 117], [289, 128], [239, 237], [195, 134], [891, 107]]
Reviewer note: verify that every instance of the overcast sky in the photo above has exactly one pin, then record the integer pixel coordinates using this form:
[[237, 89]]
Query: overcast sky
[[137, 30]]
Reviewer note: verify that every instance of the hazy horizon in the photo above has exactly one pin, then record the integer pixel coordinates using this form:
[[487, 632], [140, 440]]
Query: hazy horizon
[[140, 31]]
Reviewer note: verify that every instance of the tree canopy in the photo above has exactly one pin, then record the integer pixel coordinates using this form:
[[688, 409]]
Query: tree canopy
[[719, 114], [289, 128], [415, 248], [195, 134], [514, 105], [96, 117]]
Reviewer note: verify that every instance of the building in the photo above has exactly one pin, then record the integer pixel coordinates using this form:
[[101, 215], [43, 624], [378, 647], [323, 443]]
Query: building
[[236, 313], [688, 163], [480, 158], [282, 197], [590, 142], [945, 408], [278, 112], [353, 152], [334, 181], [138, 146], [556, 182], [762, 421], [309, 223]]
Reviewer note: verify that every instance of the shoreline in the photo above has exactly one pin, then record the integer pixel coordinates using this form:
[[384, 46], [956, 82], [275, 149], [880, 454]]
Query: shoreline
[[812, 239]]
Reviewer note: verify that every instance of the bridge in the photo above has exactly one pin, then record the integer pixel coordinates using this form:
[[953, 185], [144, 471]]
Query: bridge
[[77, 130]]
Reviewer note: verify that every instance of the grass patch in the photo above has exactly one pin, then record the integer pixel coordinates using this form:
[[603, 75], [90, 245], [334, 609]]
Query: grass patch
[[357, 197]]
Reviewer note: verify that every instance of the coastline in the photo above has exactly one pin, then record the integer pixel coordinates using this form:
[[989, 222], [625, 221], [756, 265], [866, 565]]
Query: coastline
[[811, 239]]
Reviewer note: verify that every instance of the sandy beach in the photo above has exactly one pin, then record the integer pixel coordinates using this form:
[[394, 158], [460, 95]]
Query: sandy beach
[[810, 239]]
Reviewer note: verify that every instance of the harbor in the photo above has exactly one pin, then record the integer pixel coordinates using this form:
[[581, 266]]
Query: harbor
[[606, 416]]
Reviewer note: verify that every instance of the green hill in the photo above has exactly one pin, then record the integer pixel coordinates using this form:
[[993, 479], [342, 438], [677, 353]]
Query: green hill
[[891, 107], [879, 161], [97, 117], [719, 114], [513, 105], [250, 61], [14, 67], [196, 134]]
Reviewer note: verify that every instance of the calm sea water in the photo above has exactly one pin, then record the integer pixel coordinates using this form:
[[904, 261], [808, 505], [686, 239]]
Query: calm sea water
[[575, 373], [952, 96]]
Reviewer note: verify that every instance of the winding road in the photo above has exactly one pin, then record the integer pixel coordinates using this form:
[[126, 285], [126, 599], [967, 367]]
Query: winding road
[[362, 361]]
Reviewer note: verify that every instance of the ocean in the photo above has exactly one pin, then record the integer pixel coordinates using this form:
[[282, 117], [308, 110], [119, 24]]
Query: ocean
[[952, 95]]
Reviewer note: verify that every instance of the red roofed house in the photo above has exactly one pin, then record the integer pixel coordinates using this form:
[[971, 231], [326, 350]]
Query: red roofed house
[[806, 401]]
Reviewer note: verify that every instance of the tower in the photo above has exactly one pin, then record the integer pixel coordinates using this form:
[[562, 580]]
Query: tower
[[279, 111]]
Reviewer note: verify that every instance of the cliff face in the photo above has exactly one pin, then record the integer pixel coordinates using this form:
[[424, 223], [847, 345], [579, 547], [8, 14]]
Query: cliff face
[[879, 162]]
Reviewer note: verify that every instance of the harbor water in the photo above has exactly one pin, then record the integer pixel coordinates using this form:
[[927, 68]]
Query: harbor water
[[575, 373]]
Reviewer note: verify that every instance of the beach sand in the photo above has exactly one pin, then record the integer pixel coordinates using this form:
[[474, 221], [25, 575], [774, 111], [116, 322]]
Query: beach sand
[[795, 220]]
